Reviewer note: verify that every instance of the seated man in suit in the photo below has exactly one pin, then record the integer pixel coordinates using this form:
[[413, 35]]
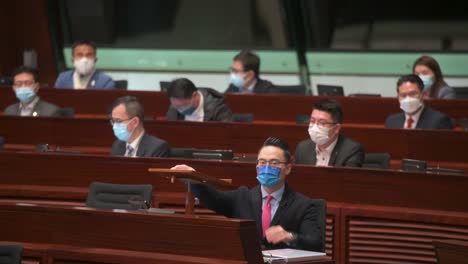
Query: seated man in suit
[[26, 86], [245, 71], [326, 146], [133, 141], [284, 218], [192, 104], [85, 75], [415, 113]]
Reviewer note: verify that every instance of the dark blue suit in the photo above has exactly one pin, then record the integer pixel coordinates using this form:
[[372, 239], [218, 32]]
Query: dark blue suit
[[100, 80], [429, 119]]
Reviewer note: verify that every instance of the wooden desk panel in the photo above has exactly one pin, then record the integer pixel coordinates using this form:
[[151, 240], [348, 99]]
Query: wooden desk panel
[[87, 229], [359, 110], [243, 139]]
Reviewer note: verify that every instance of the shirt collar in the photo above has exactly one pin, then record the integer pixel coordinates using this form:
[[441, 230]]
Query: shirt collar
[[329, 149], [276, 194], [31, 105], [416, 116], [250, 89], [198, 114], [135, 143]]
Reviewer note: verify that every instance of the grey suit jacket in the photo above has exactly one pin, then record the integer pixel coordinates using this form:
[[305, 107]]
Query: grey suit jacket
[[262, 86], [296, 213], [347, 153], [429, 119], [42, 108], [149, 147]]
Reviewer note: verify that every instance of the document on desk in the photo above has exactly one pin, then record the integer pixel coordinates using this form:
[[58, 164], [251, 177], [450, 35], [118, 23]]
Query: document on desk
[[289, 255]]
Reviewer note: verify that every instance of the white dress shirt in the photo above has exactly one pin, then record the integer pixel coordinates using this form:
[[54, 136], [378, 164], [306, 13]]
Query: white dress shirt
[[199, 113], [323, 157]]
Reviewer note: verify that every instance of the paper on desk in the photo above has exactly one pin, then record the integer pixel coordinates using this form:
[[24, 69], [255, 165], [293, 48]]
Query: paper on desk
[[291, 254]]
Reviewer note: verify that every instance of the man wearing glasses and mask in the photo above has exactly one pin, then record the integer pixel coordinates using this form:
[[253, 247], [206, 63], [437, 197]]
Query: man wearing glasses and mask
[[132, 140], [284, 218], [26, 86], [326, 146]]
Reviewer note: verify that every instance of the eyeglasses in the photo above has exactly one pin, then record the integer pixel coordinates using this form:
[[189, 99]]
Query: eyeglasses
[[118, 121], [321, 122], [410, 94], [23, 84], [272, 162]]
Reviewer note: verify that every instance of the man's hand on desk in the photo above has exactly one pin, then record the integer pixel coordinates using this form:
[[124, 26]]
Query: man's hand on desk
[[182, 167], [276, 234]]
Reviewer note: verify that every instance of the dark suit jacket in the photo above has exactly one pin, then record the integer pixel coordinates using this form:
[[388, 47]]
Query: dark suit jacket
[[296, 213], [429, 119], [262, 86], [213, 105], [42, 108], [149, 147], [347, 153]]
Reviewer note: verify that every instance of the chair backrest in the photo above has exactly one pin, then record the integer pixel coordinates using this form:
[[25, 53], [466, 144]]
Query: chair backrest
[[2, 141], [330, 90], [244, 118], [10, 254], [5, 81], [461, 92], [463, 123], [365, 95], [67, 111], [289, 89], [178, 152], [119, 196], [164, 85], [377, 160], [321, 205], [121, 84]]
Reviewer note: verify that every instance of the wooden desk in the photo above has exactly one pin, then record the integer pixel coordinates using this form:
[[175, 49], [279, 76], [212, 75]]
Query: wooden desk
[[451, 251], [243, 139], [160, 238], [372, 215], [285, 108]]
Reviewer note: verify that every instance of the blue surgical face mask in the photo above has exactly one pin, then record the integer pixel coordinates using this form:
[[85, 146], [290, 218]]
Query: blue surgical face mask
[[268, 176], [237, 80], [25, 94], [427, 80], [186, 110], [121, 132]]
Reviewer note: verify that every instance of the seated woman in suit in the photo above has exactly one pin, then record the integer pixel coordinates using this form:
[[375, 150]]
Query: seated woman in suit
[[430, 73]]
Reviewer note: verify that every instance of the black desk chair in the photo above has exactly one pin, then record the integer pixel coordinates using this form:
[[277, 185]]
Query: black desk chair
[[121, 84], [461, 92], [67, 112], [11, 254], [377, 160], [119, 196], [2, 142], [330, 90]]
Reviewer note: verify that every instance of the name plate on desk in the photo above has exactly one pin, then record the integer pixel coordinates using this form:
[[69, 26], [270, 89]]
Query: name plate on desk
[[289, 255]]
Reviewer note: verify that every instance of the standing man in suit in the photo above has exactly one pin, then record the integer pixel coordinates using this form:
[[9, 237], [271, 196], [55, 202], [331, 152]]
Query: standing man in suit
[[284, 218], [132, 140], [326, 146], [415, 113], [85, 75], [245, 71], [26, 86], [196, 104]]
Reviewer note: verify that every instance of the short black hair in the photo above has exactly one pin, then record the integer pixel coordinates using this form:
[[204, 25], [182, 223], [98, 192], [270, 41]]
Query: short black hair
[[133, 106], [25, 69], [412, 78], [181, 88], [279, 143], [83, 42], [332, 107], [250, 61]]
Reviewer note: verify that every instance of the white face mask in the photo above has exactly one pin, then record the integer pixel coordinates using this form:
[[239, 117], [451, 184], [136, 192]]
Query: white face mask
[[410, 104], [319, 135], [84, 66]]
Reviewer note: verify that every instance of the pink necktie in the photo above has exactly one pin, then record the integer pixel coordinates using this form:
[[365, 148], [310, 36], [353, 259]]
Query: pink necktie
[[410, 122], [266, 214]]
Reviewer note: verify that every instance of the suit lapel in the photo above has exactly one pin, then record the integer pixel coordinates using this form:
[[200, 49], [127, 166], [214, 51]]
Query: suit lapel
[[335, 151], [421, 119], [312, 156], [141, 146], [257, 209], [401, 121], [37, 108], [283, 206]]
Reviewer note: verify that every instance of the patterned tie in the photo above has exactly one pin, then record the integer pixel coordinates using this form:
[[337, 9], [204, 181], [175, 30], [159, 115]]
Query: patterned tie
[[130, 150], [409, 124], [266, 214]]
